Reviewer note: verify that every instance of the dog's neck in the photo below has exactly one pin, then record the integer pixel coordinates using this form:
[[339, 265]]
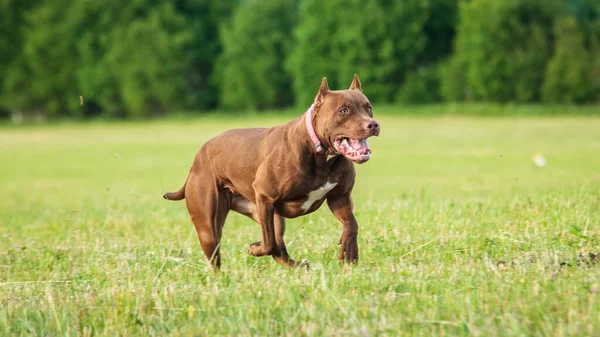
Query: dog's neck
[[319, 147], [306, 150]]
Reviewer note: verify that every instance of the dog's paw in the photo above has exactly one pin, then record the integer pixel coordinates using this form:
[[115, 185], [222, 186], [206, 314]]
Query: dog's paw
[[256, 249], [348, 250], [348, 255]]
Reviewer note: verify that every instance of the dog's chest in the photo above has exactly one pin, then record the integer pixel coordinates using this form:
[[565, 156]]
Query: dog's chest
[[317, 194], [307, 201]]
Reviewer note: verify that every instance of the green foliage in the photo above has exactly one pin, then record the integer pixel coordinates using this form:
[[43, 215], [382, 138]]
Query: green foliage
[[12, 18], [129, 59], [332, 40], [203, 19], [453, 78], [151, 75], [382, 41], [568, 76], [421, 86], [504, 54], [420, 35], [42, 77], [251, 70], [139, 58], [138, 66]]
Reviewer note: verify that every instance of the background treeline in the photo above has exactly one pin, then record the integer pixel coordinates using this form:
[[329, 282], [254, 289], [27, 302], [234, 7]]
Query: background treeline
[[139, 58]]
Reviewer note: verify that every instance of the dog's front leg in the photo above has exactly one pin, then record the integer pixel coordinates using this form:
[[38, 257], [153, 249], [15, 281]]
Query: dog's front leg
[[342, 209], [264, 213]]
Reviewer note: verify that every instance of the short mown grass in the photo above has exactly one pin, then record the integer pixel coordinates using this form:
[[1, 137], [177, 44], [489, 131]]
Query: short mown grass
[[460, 235]]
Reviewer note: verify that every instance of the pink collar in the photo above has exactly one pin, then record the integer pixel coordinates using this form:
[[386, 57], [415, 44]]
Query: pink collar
[[311, 132]]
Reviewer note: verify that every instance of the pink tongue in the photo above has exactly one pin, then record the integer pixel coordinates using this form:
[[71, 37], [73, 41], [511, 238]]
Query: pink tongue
[[360, 145]]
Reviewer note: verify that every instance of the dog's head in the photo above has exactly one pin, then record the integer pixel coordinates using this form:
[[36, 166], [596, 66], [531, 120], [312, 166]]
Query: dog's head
[[344, 121]]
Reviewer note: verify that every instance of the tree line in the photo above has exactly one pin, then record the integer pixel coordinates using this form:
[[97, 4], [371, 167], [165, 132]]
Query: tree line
[[140, 58]]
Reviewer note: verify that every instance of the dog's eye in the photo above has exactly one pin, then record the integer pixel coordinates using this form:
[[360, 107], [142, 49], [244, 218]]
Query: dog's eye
[[370, 109], [344, 111]]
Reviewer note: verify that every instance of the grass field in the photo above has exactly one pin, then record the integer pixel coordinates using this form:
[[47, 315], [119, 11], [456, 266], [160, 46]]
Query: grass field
[[461, 235]]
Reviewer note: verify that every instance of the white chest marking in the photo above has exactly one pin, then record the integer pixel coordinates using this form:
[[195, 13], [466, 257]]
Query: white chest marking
[[317, 194]]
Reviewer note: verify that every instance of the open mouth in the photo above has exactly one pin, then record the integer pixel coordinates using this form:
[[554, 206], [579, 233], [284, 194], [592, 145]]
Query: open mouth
[[356, 150]]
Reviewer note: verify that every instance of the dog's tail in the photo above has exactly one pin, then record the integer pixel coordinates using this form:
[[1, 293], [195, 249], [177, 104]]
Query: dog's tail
[[176, 195]]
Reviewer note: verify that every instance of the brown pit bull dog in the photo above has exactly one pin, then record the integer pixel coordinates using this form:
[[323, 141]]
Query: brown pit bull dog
[[283, 172]]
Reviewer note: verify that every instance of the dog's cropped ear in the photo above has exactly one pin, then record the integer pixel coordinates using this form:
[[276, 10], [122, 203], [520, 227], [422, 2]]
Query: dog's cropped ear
[[355, 85], [323, 90]]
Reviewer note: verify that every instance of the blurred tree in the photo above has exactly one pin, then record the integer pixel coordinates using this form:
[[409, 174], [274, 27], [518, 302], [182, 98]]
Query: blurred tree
[[336, 39], [203, 19], [131, 58], [389, 44], [504, 48], [595, 51], [41, 79], [12, 17], [96, 78], [147, 59], [453, 78], [121, 56], [569, 76], [421, 32], [250, 70], [422, 86], [141, 57], [590, 20]]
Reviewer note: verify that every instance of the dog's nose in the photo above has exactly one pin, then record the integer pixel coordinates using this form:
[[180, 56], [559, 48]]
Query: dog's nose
[[373, 127]]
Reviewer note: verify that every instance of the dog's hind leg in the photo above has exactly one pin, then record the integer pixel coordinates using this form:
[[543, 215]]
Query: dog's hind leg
[[208, 208]]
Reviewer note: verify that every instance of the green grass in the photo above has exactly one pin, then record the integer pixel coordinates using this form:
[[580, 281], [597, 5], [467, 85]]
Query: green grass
[[460, 234]]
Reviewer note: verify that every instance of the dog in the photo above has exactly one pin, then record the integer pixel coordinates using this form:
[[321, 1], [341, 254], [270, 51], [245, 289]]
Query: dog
[[283, 172]]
